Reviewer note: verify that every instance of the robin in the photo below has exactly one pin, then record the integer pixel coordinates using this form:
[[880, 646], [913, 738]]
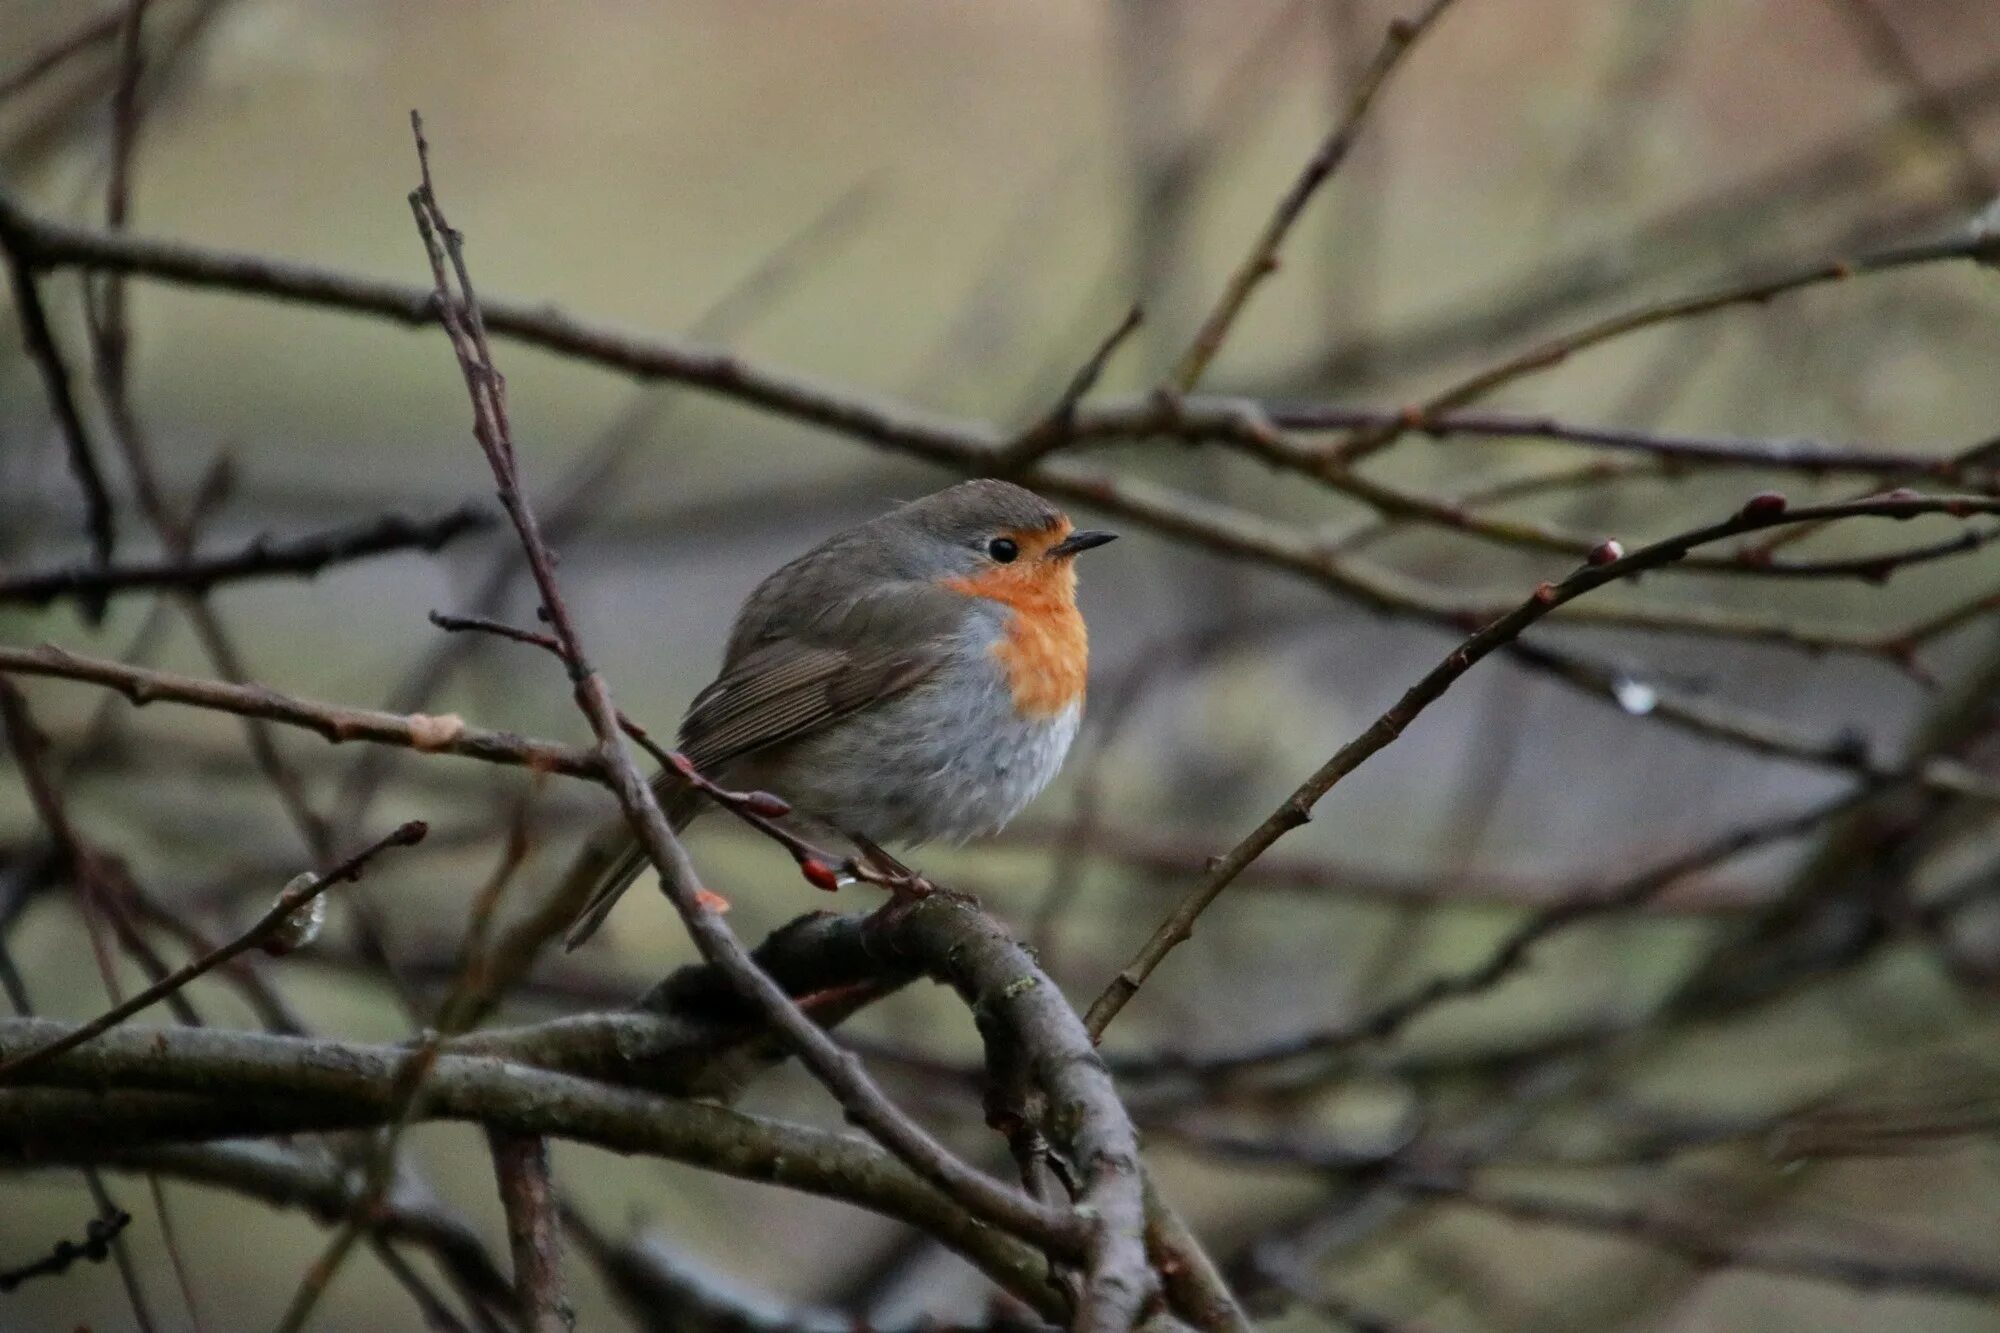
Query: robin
[[919, 676]]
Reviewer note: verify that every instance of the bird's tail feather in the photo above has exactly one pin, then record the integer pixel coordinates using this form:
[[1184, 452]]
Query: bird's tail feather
[[612, 858]]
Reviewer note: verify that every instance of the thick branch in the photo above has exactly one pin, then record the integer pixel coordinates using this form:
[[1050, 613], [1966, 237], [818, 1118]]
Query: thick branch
[[131, 1087], [1020, 1009], [534, 1231], [14, 1069]]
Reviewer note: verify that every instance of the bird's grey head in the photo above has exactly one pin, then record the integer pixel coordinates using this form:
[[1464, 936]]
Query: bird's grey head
[[976, 526]]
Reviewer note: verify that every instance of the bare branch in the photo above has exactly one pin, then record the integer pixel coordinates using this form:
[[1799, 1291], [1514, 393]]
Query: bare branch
[[1813, 457], [534, 1230], [83, 464], [265, 557], [294, 898], [1970, 245], [445, 734], [184, 1083], [1512, 953], [324, 1188], [1057, 426], [1610, 564], [1262, 261], [1699, 1244], [95, 1248], [60, 52], [961, 445], [1023, 1012]]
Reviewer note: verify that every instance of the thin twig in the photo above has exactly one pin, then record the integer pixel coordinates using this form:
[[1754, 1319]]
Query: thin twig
[[60, 52], [437, 1315], [1813, 457], [324, 1188], [16, 990], [1969, 245], [105, 299], [83, 464], [1697, 1244], [439, 734], [1054, 429], [1262, 260], [454, 1015], [1245, 425], [262, 558], [1612, 564], [291, 900], [1512, 953], [99, 1237]]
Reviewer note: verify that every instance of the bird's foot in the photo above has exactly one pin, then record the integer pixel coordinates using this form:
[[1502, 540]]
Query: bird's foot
[[901, 882], [884, 869]]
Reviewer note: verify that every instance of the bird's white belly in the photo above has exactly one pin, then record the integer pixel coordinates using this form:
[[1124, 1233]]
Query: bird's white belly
[[953, 759]]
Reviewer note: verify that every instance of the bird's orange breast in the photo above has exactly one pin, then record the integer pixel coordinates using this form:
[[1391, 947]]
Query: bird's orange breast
[[1044, 650]]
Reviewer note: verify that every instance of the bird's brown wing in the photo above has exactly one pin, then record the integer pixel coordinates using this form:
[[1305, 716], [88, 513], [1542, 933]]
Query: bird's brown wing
[[816, 665], [787, 689]]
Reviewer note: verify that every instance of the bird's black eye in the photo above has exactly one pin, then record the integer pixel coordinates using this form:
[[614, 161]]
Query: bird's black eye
[[1003, 549]]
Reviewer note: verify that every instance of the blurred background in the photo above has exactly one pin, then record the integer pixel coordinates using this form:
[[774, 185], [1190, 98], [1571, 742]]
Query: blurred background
[[949, 205]]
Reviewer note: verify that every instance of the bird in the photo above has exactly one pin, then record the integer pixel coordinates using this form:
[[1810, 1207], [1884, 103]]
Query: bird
[[917, 677]]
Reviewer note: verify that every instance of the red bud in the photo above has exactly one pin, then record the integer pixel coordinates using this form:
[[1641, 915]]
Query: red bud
[[1765, 504], [819, 874], [1606, 551]]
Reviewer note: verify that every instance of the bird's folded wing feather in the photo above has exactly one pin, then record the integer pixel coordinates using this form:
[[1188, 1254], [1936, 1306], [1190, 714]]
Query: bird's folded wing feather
[[788, 690], [847, 658]]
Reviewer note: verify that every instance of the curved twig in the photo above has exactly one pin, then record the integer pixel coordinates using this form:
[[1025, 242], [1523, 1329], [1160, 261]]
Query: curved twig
[[1610, 564]]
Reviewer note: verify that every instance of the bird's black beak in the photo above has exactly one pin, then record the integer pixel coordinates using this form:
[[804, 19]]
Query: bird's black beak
[[1078, 542]]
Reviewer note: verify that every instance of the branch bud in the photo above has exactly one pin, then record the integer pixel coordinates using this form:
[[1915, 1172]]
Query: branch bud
[[301, 927]]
